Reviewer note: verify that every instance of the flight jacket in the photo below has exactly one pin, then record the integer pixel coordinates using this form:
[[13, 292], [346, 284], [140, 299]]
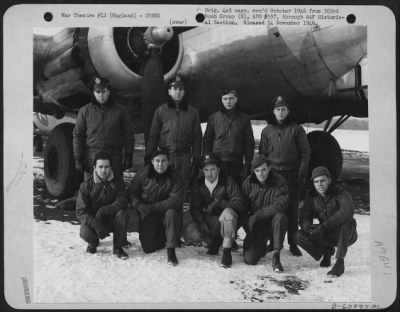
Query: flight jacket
[[99, 127], [229, 136]]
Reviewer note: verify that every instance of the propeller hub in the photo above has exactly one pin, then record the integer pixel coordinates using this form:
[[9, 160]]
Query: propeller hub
[[157, 36]]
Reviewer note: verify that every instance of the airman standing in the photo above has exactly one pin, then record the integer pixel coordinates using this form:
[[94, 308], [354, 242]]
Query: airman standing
[[230, 136], [103, 125], [285, 145]]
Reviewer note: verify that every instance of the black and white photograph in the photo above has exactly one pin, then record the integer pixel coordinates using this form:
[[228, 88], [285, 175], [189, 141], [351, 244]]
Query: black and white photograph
[[207, 162]]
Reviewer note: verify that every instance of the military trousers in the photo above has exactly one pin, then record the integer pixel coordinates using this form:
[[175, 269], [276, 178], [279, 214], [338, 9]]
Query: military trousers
[[116, 224], [341, 237], [255, 242], [222, 228], [292, 180], [233, 169], [159, 230], [181, 163]]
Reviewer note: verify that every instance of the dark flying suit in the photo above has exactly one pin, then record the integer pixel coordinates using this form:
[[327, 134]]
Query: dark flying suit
[[102, 204], [229, 135], [162, 194], [268, 204], [287, 147], [226, 205], [336, 214], [178, 131], [103, 127]]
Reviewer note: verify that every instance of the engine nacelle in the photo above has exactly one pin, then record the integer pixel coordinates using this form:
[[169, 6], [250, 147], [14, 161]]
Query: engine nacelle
[[120, 54]]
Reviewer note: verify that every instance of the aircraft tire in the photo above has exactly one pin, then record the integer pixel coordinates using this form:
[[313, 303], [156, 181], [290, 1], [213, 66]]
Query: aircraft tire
[[61, 178], [325, 151], [37, 143]]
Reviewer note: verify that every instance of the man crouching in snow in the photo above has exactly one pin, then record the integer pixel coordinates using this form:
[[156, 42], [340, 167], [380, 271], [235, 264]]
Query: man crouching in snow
[[156, 192], [101, 207], [266, 197], [216, 204], [334, 208]]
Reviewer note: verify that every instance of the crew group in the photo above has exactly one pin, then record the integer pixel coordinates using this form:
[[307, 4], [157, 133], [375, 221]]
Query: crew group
[[234, 189]]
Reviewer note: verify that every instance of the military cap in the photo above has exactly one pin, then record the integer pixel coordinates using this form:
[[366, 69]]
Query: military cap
[[99, 83], [279, 101], [320, 171], [176, 82], [229, 91], [209, 158]]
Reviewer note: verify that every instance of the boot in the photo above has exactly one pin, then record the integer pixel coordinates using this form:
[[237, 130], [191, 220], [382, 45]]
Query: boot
[[120, 253], [226, 260], [127, 244], [270, 246], [338, 268], [295, 250], [276, 262], [172, 260], [214, 246], [91, 248], [326, 260]]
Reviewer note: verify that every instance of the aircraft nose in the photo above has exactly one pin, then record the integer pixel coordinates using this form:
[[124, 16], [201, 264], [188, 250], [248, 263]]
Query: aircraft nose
[[341, 47]]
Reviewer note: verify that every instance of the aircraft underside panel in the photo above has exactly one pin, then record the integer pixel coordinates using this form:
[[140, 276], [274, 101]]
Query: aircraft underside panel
[[300, 63], [305, 64]]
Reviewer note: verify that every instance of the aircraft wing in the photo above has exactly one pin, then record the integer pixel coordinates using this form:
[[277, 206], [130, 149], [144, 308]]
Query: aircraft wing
[[317, 68]]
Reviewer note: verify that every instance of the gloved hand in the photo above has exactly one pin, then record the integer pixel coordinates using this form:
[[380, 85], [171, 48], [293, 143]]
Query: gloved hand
[[214, 207], [100, 229], [317, 232], [128, 161], [78, 165], [144, 210], [245, 171]]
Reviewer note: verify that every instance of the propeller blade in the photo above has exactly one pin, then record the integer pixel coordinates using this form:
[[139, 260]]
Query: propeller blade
[[154, 93]]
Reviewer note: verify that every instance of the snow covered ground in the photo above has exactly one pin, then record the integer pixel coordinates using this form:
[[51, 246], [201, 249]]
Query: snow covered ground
[[65, 273]]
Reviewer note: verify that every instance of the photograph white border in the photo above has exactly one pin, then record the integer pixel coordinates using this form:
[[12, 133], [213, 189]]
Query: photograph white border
[[19, 21]]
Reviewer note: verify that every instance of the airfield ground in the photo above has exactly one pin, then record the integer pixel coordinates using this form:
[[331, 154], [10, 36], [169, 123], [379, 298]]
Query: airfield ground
[[64, 273]]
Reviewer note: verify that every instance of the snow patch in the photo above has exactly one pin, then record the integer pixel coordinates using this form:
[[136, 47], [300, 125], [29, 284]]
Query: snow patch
[[65, 273]]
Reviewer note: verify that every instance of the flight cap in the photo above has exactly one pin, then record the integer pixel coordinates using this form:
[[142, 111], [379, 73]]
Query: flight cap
[[177, 82], [100, 83], [229, 91], [279, 101], [209, 158], [320, 171]]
